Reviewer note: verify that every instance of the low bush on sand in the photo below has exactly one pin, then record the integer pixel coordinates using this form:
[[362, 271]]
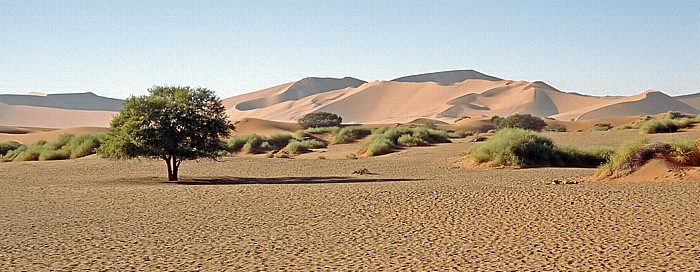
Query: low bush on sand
[[67, 146], [633, 154], [601, 127], [558, 128], [623, 127], [296, 147], [350, 134], [460, 134], [253, 143], [526, 148], [658, 126], [377, 144], [8, 146]]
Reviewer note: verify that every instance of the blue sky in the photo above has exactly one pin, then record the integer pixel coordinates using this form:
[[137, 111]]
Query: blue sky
[[120, 48]]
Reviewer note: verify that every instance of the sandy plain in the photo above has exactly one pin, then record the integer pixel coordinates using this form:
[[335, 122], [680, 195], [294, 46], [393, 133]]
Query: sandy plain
[[419, 211]]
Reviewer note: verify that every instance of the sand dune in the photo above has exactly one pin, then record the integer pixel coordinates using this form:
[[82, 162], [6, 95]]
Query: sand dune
[[69, 101], [31, 116], [263, 127], [447, 77], [444, 96]]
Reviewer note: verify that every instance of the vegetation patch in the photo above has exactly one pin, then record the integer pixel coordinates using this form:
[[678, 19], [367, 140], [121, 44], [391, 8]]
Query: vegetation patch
[[633, 154], [525, 148], [522, 121], [67, 146], [254, 144], [601, 127]]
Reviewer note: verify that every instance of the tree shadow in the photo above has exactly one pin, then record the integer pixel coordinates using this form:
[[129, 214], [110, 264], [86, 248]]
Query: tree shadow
[[284, 180]]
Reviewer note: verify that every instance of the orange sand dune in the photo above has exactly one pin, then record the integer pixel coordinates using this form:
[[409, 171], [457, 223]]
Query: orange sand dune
[[442, 96], [31, 116], [263, 127]]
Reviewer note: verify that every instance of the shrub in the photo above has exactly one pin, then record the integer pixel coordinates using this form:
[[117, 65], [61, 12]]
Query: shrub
[[8, 146], [351, 156], [523, 121], [601, 127], [236, 143], [83, 145], [295, 147], [523, 148], [683, 122], [377, 144], [321, 157], [313, 143], [624, 127], [674, 115], [411, 140], [684, 152], [350, 134], [559, 128], [630, 155], [49, 155], [253, 143], [320, 119], [460, 134], [430, 125], [658, 126], [277, 140]]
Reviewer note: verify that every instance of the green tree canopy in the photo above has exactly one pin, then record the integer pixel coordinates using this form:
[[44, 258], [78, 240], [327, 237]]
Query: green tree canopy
[[523, 121], [320, 119], [171, 123]]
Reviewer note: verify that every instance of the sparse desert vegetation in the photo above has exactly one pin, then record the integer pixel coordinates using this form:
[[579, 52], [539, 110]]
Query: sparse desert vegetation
[[525, 148], [67, 146]]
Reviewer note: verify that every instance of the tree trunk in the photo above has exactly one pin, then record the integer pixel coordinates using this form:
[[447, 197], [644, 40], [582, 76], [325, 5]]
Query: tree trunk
[[172, 175]]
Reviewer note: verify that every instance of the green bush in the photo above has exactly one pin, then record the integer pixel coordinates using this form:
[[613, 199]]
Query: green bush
[[658, 126], [524, 148], [559, 128], [684, 152], [277, 140], [320, 119], [624, 127], [377, 144], [8, 146], [253, 143], [460, 134], [411, 140], [630, 155], [350, 134], [313, 143], [83, 145], [295, 147], [66, 146], [522, 121], [601, 127]]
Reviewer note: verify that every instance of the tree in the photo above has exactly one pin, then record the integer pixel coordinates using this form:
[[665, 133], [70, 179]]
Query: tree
[[171, 123], [524, 121], [320, 119]]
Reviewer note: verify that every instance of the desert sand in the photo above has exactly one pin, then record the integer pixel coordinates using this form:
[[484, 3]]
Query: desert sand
[[418, 211]]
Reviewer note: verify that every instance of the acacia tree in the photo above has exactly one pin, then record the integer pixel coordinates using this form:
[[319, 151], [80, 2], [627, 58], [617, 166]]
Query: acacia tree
[[320, 119], [171, 123]]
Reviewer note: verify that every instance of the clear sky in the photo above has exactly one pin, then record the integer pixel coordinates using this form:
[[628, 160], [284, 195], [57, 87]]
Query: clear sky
[[119, 48]]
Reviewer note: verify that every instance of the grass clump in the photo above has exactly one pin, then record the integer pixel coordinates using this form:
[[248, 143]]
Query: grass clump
[[624, 127], [66, 146], [633, 154], [350, 134], [460, 134], [658, 126], [296, 147], [6, 147], [601, 127], [377, 144], [253, 143], [558, 128], [525, 148]]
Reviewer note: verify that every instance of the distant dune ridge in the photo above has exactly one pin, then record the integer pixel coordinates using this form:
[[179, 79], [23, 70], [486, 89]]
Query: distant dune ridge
[[444, 96], [439, 96]]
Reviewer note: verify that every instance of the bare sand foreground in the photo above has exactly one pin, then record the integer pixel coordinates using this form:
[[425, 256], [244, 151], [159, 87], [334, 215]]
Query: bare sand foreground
[[419, 212]]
